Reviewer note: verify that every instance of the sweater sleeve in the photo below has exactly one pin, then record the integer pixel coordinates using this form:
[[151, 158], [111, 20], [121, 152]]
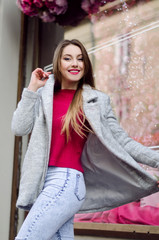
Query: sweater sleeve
[[24, 115], [139, 152]]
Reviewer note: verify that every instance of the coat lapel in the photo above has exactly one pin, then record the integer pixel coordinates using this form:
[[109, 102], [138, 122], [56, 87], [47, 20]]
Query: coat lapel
[[91, 108]]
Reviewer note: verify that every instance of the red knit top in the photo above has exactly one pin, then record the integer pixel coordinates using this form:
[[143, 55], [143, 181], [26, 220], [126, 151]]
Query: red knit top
[[63, 153]]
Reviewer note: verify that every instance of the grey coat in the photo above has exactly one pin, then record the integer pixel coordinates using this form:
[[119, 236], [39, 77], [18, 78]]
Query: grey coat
[[110, 158]]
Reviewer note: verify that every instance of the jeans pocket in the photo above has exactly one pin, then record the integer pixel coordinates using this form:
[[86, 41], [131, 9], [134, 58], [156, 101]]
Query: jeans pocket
[[80, 189]]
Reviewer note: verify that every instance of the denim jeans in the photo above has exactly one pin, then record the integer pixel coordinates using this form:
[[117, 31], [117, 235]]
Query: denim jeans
[[51, 217]]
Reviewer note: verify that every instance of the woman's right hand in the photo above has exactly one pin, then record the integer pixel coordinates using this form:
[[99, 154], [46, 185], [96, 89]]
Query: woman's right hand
[[38, 79]]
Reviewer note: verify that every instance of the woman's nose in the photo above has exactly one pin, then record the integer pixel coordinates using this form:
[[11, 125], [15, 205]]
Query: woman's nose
[[74, 63]]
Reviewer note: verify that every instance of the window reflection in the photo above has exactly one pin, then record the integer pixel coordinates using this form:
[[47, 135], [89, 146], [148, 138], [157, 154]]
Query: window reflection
[[123, 46]]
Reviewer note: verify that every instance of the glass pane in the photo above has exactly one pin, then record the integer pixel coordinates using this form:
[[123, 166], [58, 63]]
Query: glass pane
[[126, 60], [124, 52], [122, 41]]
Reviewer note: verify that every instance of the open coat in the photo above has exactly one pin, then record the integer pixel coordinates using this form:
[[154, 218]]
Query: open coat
[[110, 158]]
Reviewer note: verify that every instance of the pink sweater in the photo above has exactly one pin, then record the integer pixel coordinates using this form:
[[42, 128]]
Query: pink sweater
[[63, 154]]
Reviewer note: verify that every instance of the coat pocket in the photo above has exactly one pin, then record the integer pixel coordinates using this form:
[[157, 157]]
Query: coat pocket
[[80, 189]]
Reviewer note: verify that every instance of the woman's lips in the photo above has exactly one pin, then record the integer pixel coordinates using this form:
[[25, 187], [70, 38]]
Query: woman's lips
[[74, 71]]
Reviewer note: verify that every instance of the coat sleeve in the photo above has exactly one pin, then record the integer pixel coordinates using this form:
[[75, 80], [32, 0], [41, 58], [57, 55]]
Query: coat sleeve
[[24, 115], [139, 152]]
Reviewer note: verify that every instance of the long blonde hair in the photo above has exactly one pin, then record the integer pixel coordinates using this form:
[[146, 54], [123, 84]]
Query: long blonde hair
[[75, 110]]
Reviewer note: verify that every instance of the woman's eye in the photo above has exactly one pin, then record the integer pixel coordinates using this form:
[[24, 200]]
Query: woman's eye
[[80, 59], [67, 58]]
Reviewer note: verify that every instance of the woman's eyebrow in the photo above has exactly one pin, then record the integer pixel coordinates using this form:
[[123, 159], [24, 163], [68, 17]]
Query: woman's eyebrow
[[71, 55]]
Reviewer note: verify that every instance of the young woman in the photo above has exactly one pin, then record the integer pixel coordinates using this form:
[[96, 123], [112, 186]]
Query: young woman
[[75, 141]]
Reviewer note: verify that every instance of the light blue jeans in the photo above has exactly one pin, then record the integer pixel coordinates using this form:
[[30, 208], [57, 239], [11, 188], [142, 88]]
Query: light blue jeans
[[51, 217]]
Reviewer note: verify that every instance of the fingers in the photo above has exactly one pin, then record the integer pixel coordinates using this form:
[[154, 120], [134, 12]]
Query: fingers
[[40, 74], [38, 79], [46, 74]]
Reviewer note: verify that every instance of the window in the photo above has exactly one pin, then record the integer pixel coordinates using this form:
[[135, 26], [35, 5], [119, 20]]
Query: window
[[123, 43]]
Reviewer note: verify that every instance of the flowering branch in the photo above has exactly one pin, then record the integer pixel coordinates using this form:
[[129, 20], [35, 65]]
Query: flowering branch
[[64, 12]]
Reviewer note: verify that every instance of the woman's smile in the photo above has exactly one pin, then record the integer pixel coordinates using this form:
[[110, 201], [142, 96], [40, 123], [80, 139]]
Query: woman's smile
[[74, 71]]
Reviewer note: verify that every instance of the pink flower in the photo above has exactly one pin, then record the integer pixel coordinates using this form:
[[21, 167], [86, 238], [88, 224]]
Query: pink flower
[[27, 7], [61, 2], [65, 12], [39, 3], [29, 2], [56, 7], [92, 6]]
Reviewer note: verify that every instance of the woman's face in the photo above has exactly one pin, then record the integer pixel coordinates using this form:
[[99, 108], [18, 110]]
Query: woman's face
[[71, 66]]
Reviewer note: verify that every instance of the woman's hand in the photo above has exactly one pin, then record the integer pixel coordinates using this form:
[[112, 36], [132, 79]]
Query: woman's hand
[[38, 79]]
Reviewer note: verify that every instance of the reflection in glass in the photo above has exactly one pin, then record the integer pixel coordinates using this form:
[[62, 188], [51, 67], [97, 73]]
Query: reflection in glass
[[123, 46]]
